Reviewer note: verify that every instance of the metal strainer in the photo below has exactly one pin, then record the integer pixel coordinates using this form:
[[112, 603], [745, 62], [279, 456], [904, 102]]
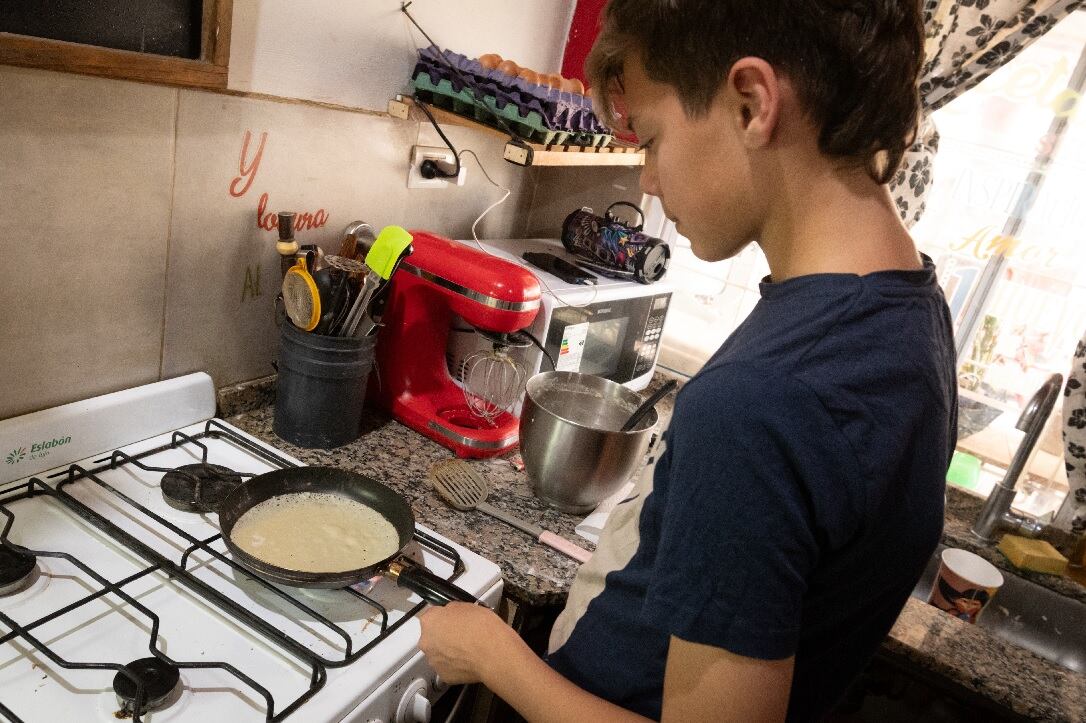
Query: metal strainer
[[301, 298]]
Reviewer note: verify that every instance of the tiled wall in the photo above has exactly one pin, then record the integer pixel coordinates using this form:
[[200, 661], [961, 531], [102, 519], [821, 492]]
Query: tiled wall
[[560, 191], [129, 259], [711, 300]]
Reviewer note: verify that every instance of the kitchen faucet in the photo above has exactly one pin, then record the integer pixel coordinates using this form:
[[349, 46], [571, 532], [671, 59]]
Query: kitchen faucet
[[997, 508]]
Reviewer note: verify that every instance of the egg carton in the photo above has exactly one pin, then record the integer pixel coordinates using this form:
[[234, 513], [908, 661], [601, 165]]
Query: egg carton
[[531, 126], [555, 111], [534, 122]]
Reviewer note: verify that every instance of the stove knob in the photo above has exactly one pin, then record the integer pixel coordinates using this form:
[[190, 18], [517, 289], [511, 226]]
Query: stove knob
[[439, 684], [414, 706]]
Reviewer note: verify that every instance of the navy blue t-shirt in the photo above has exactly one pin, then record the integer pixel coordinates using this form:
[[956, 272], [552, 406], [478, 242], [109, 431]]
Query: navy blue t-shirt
[[799, 497]]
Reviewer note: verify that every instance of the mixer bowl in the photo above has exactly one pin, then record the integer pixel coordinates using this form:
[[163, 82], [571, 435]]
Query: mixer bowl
[[573, 452]]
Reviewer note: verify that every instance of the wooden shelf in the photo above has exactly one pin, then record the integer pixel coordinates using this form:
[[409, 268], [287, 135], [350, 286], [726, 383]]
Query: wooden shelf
[[618, 153]]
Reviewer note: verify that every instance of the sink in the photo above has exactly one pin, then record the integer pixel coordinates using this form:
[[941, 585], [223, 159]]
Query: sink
[[1029, 616]]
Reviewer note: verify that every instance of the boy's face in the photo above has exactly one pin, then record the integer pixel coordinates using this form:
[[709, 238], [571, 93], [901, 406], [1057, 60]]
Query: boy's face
[[698, 167]]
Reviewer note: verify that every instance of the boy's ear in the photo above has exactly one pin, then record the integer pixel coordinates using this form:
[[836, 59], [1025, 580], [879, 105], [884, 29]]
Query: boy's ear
[[756, 94]]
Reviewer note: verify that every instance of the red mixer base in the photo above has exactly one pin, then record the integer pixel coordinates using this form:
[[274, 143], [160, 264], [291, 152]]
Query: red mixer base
[[456, 427]]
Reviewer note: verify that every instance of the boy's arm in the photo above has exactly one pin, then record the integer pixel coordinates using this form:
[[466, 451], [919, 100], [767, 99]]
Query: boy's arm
[[703, 682], [466, 643]]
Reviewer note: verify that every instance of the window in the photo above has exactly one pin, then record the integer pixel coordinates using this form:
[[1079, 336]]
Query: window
[[1007, 207], [174, 42], [710, 299]]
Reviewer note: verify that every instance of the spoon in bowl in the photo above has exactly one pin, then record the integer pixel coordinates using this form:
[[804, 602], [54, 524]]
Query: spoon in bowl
[[646, 406]]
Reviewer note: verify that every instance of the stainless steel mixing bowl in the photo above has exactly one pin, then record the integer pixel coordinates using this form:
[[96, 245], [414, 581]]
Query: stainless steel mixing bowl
[[573, 452]]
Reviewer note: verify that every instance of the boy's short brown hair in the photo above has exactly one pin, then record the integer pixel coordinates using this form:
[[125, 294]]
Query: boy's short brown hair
[[854, 63]]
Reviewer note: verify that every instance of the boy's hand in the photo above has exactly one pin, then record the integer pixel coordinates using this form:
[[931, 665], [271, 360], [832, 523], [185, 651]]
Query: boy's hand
[[461, 640], [470, 644]]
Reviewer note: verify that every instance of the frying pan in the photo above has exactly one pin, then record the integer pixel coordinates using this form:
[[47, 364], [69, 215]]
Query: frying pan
[[353, 486]]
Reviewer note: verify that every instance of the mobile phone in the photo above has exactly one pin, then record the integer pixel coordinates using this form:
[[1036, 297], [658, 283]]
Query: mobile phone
[[607, 271], [559, 267]]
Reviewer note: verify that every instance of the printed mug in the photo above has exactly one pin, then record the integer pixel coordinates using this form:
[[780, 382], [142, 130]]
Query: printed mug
[[964, 584]]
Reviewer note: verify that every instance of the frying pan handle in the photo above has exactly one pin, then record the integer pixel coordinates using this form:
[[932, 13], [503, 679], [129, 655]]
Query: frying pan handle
[[432, 588]]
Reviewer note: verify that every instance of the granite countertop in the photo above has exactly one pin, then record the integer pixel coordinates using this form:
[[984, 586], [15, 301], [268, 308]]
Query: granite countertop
[[968, 656], [1009, 676], [397, 456]]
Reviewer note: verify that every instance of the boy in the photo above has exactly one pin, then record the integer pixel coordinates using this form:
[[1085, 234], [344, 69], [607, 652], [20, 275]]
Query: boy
[[801, 490]]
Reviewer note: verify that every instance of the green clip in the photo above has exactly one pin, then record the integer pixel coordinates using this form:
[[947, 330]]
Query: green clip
[[387, 249]]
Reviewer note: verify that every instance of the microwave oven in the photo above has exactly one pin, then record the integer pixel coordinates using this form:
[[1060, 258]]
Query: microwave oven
[[610, 329]]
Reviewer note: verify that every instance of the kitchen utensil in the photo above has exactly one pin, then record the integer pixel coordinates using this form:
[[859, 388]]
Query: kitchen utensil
[[383, 258], [648, 405], [286, 246], [301, 297], [327, 293], [493, 380], [345, 271], [345, 264], [350, 485], [313, 256], [358, 237], [445, 286], [370, 319], [360, 303], [464, 489], [574, 452]]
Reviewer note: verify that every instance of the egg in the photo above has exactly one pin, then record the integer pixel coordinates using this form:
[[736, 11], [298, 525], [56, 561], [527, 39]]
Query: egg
[[508, 67], [490, 60], [572, 85], [528, 76]]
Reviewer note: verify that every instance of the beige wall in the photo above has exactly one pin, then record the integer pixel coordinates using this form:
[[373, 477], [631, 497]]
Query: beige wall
[[357, 52], [136, 256], [131, 260]]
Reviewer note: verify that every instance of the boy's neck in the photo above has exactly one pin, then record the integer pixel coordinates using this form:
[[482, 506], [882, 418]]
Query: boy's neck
[[827, 219]]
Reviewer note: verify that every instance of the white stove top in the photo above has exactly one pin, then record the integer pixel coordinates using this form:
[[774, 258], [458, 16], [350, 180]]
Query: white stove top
[[243, 646]]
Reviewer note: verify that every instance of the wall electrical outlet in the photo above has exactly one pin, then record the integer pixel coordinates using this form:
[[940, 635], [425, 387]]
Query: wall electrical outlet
[[419, 154]]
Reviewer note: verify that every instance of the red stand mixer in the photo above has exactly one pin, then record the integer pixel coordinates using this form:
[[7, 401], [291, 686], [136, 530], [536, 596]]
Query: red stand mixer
[[442, 282]]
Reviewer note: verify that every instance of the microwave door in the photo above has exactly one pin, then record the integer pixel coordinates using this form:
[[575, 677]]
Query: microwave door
[[601, 339]]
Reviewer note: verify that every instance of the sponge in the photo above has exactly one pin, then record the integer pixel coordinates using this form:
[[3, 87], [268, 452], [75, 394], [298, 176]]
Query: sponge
[[1036, 555]]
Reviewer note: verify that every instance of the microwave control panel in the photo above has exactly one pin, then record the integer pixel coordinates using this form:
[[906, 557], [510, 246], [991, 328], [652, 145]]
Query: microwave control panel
[[650, 343]]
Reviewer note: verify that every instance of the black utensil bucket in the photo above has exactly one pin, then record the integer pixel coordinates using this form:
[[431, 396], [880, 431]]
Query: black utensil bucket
[[321, 387]]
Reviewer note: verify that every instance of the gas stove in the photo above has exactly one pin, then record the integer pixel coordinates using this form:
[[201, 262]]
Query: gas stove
[[118, 598]]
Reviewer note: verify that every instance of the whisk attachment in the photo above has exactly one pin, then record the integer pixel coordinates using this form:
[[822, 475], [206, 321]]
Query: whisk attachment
[[494, 380]]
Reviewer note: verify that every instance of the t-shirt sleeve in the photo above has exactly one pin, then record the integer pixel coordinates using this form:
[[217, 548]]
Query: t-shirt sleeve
[[753, 461]]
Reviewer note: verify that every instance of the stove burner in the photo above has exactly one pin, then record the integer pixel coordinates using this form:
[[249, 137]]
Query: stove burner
[[16, 571], [198, 487], [159, 680]]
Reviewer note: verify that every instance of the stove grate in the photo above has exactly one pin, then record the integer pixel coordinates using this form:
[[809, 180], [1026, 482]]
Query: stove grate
[[213, 430], [35, 487]]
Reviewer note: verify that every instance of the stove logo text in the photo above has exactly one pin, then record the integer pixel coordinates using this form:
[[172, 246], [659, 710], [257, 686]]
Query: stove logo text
[[37, 450]]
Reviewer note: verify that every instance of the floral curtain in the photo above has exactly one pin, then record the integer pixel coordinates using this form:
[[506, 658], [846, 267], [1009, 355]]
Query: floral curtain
[[1072, 515], [968, 40]]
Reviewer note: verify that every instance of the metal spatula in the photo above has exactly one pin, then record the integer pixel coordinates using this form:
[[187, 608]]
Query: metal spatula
[[464, 489]]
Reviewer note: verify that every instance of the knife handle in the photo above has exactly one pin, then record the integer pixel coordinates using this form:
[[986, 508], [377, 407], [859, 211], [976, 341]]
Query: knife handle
[[566, 547], [547, 538]]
